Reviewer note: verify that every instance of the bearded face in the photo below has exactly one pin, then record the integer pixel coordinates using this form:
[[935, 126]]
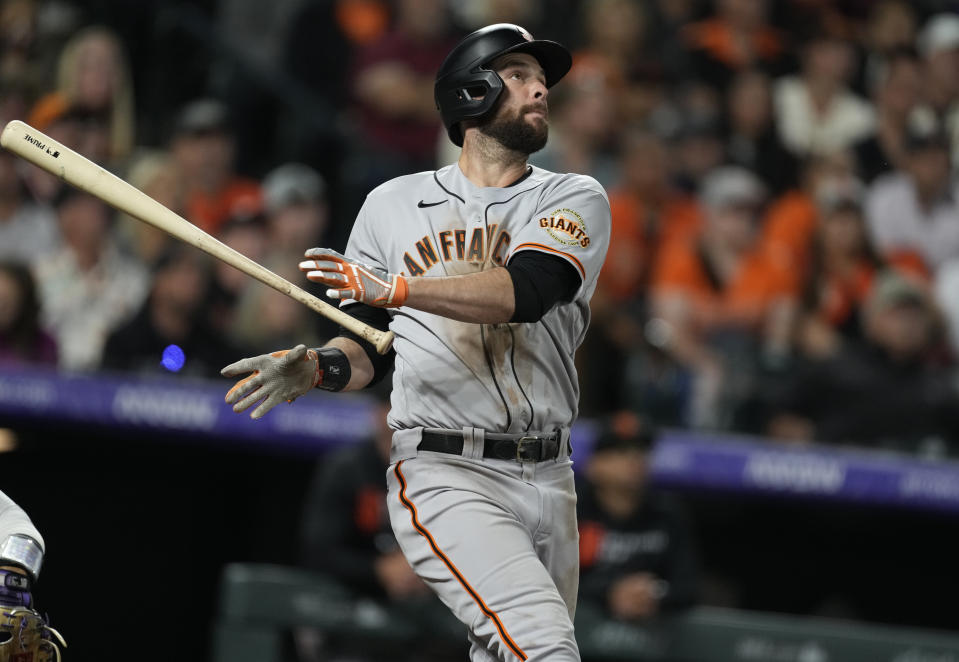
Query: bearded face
[[517, 129]]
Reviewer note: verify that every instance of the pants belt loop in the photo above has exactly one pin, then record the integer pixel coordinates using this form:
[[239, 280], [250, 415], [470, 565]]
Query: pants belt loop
[[565, 447], [473, 441]]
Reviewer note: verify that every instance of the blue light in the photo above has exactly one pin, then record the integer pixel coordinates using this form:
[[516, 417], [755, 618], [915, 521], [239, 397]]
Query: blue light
[[173, 358]]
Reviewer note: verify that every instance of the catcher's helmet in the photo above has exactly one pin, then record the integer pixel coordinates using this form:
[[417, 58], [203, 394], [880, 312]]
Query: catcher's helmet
[[464, 74]]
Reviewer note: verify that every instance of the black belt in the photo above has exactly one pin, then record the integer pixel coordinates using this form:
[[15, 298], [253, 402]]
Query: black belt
[[496, 445]]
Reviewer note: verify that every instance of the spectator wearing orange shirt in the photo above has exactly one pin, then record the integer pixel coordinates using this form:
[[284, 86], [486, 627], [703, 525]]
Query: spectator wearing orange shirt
[[718, 302], [203, 149]]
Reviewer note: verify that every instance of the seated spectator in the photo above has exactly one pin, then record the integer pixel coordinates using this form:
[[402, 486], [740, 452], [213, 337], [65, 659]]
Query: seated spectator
[[246, 234], [22, 338], [816, 111], [914, 212], [885, 392], [637, 555], [156, 174], [93, 79], [890, 30], [697, 148], [346, 530], [647, 213], [203, 150], [87, 288], [840, 273], [719, 301], [27, 230], [393, 87], [736, 38], [895, 94], [752, 140], [173, 314], [790, 222]]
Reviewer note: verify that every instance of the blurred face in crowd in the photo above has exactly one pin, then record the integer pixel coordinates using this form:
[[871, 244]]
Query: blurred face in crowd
[[832, 169], [699, 154], [423, 18], [615, 25], [205, 159], [929, 168], [646, 166], [734, 225], [829, 60], [902, 329], [247, 238], [750, 104], [843, 231], [182, 284], [901, 86], [96, 72], [618, 471], [84, 224], [942, 72], [892, 24], [744, 14], [294, 226]]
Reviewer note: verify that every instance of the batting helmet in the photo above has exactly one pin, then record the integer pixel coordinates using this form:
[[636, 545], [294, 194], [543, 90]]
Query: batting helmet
[[465, 86]]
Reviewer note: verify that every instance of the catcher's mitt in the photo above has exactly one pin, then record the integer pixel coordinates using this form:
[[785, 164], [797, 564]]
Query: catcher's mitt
[[26, 637]]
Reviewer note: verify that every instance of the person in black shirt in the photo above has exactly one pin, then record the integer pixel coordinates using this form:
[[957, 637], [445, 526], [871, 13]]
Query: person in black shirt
[[637, 555]]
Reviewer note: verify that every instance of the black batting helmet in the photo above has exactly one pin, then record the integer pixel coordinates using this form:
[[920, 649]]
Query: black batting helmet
[[464, 75]]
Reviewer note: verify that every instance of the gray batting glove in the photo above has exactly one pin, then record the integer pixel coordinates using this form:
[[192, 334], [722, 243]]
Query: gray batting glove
[[350, 279], [283, 375]]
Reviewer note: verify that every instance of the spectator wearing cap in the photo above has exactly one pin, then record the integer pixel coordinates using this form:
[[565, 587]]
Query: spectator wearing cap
[[203, 148], [173, 314], [638, 558], [896, 92], [88, 287], [719, 299], [840, 272], [884, 392], [246, 234], [816, 111], [914, 212], [297, 213]]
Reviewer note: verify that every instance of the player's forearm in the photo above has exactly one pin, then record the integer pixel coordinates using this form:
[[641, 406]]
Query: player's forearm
[[361, 369], [482, 298]]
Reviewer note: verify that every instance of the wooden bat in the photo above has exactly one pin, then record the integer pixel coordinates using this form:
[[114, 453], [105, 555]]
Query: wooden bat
[[46, 153]]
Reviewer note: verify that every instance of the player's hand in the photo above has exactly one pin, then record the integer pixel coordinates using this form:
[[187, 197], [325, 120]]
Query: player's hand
[[349, 279], [283, 375]]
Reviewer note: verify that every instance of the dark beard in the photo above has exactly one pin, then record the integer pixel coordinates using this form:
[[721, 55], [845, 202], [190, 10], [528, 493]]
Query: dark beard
[[515, 133]]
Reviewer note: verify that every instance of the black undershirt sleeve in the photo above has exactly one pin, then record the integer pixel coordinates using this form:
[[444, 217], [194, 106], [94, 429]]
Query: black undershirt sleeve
[[378, 318], [539, 282]]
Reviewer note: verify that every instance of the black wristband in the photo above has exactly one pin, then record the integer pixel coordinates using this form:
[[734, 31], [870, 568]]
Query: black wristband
[[334, 368]]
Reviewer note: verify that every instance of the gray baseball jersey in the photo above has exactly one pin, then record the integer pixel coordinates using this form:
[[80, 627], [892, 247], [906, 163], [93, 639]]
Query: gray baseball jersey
[[495, 539], [501, 377]]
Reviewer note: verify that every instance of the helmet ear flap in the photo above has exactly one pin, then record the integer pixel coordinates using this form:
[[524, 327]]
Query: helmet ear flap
[[470, 99]]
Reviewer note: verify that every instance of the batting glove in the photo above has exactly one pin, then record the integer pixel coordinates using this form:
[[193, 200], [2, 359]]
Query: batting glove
[[350, 279], [283, 375]]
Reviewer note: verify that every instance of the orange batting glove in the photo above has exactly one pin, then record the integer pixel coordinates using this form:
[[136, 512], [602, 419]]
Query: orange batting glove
[[349, 279]]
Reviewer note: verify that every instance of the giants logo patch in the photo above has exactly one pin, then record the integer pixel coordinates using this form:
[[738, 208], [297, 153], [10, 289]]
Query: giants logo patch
[[566, 227]]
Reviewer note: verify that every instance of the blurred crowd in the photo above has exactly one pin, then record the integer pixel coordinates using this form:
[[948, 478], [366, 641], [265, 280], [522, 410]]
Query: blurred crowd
[[785, 220]]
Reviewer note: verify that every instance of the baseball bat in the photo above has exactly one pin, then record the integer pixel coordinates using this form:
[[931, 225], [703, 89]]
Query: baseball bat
[[46, 153]]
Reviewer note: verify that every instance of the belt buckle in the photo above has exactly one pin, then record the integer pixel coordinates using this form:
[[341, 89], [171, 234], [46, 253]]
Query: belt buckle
[[520, 448]]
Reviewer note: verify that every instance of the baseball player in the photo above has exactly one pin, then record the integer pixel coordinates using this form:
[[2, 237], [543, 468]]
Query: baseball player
[[23, 632], [484, 270]]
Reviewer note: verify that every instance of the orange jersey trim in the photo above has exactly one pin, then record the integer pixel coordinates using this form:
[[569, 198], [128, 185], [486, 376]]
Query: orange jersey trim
[[541, 247], [504, 635]]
